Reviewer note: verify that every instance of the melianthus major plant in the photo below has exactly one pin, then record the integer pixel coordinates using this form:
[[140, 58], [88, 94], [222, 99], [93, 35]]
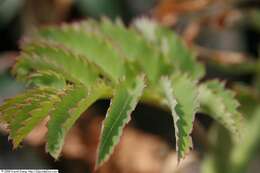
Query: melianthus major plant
[[68, 68]]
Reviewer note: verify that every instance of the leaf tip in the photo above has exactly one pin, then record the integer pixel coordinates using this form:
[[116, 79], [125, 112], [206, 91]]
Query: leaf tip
[[54, 153]]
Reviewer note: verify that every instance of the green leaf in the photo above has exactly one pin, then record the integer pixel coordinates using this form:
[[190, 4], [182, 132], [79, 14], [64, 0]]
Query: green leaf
[[75, 101], [21, 128], [237, 155], [118, 115], [172, 47], [42, 56], [85, 41], [181, 96], [23, 112], [220, 103], [13, 105], [135, 48], [217, 158], [247, 148]]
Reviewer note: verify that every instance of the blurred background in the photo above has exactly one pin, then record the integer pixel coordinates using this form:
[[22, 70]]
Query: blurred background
[[225, 35]]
